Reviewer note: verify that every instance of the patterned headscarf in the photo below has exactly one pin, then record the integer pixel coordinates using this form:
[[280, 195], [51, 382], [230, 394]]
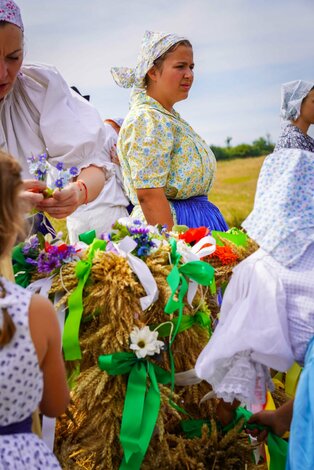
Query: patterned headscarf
[[10, 12], [292, 95], [154, 44], [282, 220]]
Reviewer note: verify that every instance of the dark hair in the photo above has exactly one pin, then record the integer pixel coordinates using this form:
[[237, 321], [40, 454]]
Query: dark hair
[[11, 222], [4, 23], [158, 63]]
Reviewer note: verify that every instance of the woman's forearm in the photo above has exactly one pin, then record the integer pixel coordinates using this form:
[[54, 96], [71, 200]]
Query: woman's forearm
[[94, 179], [155, 206]]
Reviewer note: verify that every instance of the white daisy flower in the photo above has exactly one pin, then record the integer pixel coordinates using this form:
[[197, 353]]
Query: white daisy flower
[[144, 342]]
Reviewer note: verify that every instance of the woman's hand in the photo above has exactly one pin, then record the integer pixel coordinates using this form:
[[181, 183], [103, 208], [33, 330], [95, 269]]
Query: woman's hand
[[63, 202], [32, 192], [277, 421]]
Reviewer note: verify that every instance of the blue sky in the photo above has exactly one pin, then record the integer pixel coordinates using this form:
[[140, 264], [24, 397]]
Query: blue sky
[[243, 51]]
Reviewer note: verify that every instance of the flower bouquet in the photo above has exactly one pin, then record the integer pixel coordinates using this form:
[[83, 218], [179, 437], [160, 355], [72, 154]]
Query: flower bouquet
[[40, 168], [40, 257]]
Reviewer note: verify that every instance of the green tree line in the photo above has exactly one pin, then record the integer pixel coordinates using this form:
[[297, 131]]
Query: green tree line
[[261, 146]]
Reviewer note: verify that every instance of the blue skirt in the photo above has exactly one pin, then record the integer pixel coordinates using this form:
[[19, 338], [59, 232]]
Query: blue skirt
[[301, 440], [197, 211]]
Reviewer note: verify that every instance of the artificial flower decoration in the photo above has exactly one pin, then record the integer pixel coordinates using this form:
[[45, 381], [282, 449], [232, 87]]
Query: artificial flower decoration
[[147, 237], [144, 342], [193, 235], [43, 255], [225, 254]]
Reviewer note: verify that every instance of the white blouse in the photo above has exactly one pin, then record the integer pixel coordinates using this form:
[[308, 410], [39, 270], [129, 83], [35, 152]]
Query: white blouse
[[266, 321], [42, 112], [109, 206]]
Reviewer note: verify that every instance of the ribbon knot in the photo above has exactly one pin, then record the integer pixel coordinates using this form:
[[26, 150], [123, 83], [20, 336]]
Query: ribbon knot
[[141, 405]]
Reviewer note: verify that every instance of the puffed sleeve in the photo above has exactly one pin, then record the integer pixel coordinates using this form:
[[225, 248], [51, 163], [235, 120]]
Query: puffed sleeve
[[145, 143], [70, 127], [252, 333]]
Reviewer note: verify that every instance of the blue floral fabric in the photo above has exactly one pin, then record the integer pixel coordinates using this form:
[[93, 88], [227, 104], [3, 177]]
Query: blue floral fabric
[[293, 138], [282, 220], [158, 149], [154, 44]]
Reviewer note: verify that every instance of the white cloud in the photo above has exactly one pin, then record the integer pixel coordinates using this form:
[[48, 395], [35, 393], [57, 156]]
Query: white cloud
[[235, 41]]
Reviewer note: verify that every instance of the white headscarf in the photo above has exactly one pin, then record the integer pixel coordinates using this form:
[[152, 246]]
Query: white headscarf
[[292, 95], [10, 12], [282, 220], [154, 44]]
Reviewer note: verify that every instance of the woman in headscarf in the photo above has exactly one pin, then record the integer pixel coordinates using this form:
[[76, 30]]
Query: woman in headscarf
[[40, 113], [297, 107], [168, 169], [267, 314]]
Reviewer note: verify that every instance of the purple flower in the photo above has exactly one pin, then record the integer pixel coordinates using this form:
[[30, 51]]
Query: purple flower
[[59, 183], [73, 171], [142, 251], [42, 158], [105, 236], [31, 244], [60, 166], [31, 261]]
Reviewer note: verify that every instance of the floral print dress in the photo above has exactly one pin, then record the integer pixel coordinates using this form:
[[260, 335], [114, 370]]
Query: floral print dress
[[21, 388], [157, 148]]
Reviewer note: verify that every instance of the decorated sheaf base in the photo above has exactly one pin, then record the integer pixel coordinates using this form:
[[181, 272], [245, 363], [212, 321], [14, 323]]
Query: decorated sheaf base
[[129, 414], [89, 436]]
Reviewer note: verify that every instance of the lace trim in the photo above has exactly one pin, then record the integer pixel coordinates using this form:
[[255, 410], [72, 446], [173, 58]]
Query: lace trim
[[242, 379]]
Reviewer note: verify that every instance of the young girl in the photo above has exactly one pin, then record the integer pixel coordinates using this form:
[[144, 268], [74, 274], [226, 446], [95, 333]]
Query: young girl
[[267, 314], [32, 372]]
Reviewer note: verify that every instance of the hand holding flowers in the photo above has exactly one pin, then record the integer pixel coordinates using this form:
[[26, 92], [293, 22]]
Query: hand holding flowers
[[64, 196]]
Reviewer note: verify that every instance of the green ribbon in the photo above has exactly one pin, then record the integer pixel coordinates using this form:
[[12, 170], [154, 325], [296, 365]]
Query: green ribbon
[[198, 271], [278, 448], [234, 235], [70, 338], [87, 237], [141, 405], [200, 319], [22, 269], [193, 427]]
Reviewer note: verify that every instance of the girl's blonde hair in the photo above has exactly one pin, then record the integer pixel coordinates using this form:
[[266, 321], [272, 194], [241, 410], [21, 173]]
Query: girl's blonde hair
[[11, 224]]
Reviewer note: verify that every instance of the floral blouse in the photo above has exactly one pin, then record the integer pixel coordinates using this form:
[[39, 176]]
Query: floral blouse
[[293, 138], [159, 149]]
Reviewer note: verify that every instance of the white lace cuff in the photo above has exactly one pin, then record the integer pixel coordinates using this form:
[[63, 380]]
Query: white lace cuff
[[242, 379]]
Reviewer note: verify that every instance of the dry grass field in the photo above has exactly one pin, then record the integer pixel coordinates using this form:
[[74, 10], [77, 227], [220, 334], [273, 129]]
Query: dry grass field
[[233, 191], [234, 188]]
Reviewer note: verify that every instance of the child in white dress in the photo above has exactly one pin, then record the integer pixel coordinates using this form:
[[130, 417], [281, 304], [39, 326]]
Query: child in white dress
[[267, 314], [32, 371]]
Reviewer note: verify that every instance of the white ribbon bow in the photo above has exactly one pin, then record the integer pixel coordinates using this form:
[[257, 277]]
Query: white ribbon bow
[[41, 286], [124, 248], [194, 253]]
